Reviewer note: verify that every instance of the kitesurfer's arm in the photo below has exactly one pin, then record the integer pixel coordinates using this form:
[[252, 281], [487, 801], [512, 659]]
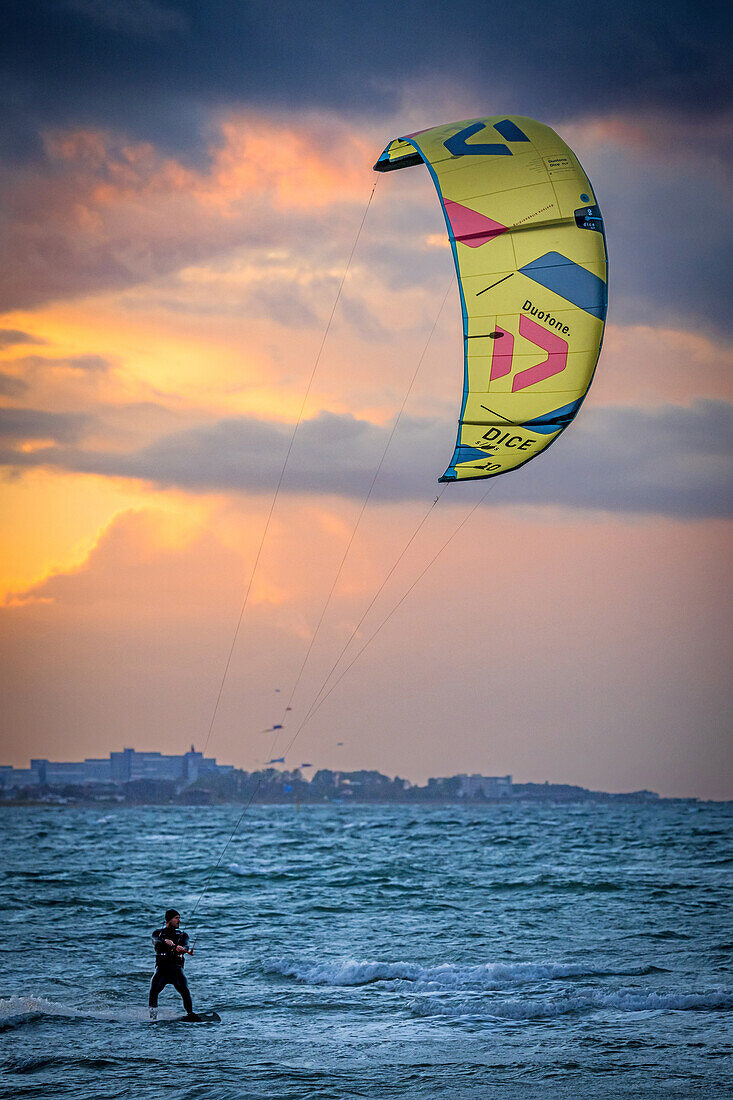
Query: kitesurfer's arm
[[160, 942]]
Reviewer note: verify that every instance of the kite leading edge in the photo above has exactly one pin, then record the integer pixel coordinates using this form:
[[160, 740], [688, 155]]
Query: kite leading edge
[[530, 255]]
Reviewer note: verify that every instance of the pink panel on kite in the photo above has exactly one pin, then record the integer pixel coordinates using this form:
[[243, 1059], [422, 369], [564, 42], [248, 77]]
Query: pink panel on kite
[[554, 345], [469, 227], [501, 357]]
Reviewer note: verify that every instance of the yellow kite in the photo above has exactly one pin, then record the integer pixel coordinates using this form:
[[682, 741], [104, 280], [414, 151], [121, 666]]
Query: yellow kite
[[530, 255]]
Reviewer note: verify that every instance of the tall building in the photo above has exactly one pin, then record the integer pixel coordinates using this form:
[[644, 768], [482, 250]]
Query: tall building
[[18, 777], [119, 767]]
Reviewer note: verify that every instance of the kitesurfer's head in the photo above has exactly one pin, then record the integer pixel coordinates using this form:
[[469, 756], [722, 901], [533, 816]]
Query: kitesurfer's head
[[173, 917]]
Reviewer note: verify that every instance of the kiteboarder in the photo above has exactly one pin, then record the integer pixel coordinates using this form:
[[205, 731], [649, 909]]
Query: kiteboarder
[[171, 945]]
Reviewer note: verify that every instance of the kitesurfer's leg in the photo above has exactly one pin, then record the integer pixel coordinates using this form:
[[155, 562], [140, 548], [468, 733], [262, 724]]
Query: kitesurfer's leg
[[159, 982], [180, 983]]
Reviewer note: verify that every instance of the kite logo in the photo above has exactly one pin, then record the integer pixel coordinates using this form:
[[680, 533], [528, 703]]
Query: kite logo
[[458, 146], [554, 363]]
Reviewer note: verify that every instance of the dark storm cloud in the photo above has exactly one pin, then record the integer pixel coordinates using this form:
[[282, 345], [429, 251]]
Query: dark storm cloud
[[669, 460], [155, 70]]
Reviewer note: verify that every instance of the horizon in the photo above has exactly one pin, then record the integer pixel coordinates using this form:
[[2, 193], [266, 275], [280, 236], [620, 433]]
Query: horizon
[[313, 767]]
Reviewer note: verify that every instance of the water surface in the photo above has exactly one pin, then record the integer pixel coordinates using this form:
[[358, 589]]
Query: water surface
[[516, 951]]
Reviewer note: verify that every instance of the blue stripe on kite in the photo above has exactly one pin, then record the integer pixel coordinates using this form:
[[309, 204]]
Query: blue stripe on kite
[[458, 147], [570, 281], [548, 422], [450, 473], [465, 453], [510, 130]]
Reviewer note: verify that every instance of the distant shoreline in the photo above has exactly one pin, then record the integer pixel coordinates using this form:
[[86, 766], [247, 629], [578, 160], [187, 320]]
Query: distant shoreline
[[153, 778], [226, 785], [104, 804]]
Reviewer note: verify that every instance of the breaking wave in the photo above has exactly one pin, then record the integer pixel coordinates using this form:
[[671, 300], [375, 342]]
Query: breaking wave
[[447, 976], [624, 1000], [465, 992]]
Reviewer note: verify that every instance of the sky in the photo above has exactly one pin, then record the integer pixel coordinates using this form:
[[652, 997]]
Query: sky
[[181, 188]]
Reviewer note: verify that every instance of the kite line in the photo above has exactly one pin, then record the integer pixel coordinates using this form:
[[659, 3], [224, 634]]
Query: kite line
[[353, 661], [284, 467]]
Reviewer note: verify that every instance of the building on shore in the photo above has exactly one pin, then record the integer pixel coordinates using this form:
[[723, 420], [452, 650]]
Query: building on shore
[[485, 786], [18, 777], [118, 767]]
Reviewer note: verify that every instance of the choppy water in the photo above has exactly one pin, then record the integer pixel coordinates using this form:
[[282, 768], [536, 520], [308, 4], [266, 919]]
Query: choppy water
[[352, 951]]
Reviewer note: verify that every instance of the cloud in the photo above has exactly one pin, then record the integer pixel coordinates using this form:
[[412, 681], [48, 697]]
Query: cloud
[[10, 386], [137, 18], [665, 195], [159, 71], [265, 223], [259, 283], [9, 337], [85, 363], [668, 460], [27, 425], [701, 144], [103, 213], [647, 364], [136, 561], [665, 460]]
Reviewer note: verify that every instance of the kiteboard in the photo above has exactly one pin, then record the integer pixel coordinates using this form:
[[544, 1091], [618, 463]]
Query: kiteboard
[[203, 1018]]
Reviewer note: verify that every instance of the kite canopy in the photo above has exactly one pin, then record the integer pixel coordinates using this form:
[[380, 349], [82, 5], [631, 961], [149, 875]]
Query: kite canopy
[[530, 255]]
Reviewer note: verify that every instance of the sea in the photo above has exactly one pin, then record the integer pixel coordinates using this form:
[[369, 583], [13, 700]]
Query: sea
[[510, 950]]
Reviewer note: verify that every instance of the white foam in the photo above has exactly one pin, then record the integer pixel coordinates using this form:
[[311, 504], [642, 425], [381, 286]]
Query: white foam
[[485, 976], [462, 992], [238, 869], [625, 1000], [261, 872], [18, 1010]]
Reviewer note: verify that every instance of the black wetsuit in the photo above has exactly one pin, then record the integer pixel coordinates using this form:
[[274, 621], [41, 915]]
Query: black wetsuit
[[169, 966]]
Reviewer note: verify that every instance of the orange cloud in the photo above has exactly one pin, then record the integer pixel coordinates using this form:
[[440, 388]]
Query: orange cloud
[[303, 166], [108, 212], [135, 562], [52, 520], [670, 139], [644, 364]]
